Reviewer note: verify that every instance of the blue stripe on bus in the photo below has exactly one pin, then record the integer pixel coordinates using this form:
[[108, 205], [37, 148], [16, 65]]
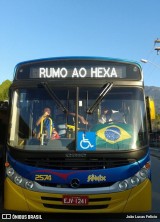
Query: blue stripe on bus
[[85, 176]]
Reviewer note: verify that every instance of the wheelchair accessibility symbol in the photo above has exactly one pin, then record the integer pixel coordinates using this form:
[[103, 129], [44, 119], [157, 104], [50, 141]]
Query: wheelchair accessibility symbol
[[86, 141]]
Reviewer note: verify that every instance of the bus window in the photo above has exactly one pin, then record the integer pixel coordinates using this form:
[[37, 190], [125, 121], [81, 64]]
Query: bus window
[[125, 104]]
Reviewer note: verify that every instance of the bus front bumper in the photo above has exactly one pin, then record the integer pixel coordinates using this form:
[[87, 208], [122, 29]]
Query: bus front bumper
[[137, 199]]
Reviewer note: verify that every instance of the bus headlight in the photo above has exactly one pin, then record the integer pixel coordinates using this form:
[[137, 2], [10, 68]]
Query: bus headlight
[[29, 184], [18, 180], [123, 185], [135, 180], [10, 171], [143, 173]]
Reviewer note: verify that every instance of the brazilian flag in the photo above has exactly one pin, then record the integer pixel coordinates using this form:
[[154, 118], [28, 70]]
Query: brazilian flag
[[113, 136]]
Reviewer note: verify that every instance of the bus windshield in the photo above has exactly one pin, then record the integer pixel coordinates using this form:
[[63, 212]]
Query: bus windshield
[[118, 121]]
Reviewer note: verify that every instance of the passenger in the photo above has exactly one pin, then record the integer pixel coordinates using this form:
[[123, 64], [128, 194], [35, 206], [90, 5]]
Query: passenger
[[47, 126], [109, 115], [64, 119]]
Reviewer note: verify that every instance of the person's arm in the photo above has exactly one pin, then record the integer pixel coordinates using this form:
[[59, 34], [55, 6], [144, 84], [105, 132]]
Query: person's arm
[[41, 118], [80, 117], [83, 120]]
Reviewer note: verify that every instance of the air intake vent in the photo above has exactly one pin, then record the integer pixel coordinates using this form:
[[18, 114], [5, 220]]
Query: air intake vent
[[77, 163]]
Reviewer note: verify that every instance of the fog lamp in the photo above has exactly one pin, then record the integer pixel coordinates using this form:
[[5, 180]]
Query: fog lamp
[[143, 173], [29, 184], [123, 185], [18, 180], [10, 171], [135, 180]]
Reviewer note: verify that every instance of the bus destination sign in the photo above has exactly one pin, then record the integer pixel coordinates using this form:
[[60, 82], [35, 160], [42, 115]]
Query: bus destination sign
[[78, 72]]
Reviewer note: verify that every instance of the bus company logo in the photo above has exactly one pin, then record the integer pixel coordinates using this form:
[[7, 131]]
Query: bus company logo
[[95, 178]]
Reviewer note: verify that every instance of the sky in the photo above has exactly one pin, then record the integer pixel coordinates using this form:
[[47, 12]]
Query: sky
[[34, 29]]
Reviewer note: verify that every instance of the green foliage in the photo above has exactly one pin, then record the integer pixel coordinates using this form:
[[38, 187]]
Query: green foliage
[[4, 88], [158, 117]]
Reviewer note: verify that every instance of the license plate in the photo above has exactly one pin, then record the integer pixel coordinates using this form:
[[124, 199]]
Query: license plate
[[75, 200]]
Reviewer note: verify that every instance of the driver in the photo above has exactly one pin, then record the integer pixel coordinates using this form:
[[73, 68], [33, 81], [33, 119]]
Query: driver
[[106, 115]]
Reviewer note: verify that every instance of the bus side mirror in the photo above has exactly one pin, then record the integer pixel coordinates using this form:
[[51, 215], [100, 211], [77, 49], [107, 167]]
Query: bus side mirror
[[152, 109], [151, 113]]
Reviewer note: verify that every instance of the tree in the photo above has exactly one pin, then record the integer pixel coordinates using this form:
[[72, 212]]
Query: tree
[[4, 88]]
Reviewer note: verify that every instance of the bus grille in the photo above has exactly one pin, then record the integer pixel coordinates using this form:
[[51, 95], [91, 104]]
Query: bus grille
[[77, 163], [70, 207], [96, 185]]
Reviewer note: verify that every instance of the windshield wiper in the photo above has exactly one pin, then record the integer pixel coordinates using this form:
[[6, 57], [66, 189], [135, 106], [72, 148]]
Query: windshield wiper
[[100, 97], [54, 97]]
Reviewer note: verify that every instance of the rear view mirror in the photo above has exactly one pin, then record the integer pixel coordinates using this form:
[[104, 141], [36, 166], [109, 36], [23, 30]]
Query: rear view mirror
[[151, 114]]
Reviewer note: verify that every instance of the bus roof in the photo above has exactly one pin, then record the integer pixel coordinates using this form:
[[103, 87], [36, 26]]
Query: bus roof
[[79, 58]]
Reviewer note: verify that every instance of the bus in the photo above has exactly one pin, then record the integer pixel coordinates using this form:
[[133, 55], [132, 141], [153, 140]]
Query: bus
[[100, 165], [3, 133]]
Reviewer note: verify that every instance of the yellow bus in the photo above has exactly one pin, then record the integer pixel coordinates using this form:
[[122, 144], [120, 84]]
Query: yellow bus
[[99, 162]]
